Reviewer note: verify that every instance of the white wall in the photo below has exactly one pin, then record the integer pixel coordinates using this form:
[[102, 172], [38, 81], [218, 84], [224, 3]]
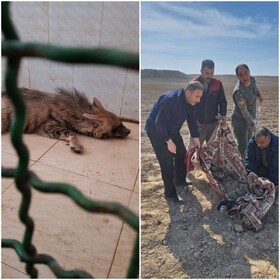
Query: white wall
[[82, 24]]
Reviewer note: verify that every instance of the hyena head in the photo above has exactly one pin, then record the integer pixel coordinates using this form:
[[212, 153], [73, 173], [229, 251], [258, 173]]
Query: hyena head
[[104, 123]]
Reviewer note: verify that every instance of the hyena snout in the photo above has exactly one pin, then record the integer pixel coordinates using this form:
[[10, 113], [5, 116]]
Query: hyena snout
[[121, 131]]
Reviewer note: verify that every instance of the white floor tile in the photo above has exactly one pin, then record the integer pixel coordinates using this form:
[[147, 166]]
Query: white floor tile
[[113, 161]]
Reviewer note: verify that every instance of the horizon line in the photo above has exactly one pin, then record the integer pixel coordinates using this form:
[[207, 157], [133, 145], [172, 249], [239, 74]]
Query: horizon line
[[215, 74]]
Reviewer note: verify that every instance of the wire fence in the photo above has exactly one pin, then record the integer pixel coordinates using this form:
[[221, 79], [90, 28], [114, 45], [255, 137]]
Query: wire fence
[[14, 50]]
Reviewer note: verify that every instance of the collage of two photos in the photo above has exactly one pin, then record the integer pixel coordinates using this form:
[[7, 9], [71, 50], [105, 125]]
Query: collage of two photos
[[140, 140]]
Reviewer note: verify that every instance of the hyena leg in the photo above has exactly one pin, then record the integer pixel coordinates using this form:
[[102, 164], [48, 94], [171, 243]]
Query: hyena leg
[[74, 143], [58, 131]]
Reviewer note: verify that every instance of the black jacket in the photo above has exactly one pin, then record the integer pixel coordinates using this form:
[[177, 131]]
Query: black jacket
[[254, 158], [169, 113], [212, 103]]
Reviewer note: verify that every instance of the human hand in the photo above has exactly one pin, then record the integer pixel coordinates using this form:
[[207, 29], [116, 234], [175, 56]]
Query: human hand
[[260, 99], [196, 142], [224, 118], [171, 146], [254, 128]]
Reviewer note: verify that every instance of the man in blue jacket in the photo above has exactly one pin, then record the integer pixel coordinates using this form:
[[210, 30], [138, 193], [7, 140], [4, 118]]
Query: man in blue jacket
[[262, 155], [213, 102], [163, 126]]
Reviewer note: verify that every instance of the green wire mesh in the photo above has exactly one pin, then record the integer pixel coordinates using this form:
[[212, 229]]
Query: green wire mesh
[[15, 50]]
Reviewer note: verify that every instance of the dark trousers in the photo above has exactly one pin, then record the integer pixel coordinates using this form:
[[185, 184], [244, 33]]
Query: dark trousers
[[243, 134], [173, 167], [205, 133], [262, 171]]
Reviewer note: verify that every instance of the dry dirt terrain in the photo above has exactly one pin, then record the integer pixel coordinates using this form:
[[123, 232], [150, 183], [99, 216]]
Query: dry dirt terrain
[[194, 240]]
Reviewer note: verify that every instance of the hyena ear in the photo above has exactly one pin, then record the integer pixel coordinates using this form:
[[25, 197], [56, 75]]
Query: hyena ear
[[96, 103], [90, 116]]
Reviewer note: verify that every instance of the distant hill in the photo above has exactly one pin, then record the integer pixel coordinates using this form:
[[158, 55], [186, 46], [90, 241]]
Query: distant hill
[[165, 75]]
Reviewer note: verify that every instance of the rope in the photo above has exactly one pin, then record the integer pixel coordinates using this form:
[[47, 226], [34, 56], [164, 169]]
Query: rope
[[258, 117]]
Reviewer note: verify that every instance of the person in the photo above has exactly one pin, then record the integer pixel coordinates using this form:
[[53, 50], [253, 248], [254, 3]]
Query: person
[[262, 155], [245, 95], [163, 126], [212, 103]]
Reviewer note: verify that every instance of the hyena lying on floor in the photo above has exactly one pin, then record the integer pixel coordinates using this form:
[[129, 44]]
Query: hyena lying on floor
[[63, 114]]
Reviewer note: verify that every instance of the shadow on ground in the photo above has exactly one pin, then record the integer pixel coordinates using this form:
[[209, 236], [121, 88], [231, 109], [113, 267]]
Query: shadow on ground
[[207, 244]]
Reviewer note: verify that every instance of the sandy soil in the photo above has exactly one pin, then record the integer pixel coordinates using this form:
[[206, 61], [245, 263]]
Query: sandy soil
[[194, 240]]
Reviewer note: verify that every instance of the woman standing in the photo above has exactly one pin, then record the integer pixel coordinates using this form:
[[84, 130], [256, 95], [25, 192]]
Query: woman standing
[[245, 95]]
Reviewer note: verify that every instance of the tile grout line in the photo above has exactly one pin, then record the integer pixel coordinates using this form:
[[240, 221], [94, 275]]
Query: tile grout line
[[7, 188], [11, 267], [37, 160], [117, 245], [84, 176], [121, 231], [115, 251], [29, 167]]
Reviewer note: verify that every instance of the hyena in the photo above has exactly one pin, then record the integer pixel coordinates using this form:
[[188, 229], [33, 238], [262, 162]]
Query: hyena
[[62, 115]]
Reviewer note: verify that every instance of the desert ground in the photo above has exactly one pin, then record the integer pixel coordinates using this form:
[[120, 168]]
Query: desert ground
[[193, 239]]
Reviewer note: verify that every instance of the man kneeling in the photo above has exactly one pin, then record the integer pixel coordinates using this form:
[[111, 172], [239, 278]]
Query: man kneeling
[[262, 155]]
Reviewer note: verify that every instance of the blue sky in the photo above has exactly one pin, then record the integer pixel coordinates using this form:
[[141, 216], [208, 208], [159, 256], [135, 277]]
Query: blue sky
[[179, 35]]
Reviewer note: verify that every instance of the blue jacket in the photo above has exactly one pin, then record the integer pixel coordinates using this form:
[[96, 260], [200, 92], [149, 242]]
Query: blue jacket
[[254, 158], [168, 114], [212, 103]]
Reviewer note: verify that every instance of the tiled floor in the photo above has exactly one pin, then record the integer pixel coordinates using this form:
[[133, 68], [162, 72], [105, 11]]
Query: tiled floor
[[100, 244]]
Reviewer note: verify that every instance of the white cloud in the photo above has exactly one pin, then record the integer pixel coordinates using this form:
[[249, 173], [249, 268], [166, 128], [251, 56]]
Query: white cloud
[[179, 21], [180, 35]]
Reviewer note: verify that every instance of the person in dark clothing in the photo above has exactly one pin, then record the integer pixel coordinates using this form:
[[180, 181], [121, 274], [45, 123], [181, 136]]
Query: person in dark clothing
[[245, 95], [213, 102], [163, 126], [262, 155]]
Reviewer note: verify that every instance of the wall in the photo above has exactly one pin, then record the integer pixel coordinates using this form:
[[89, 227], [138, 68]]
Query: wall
[[82, 24]]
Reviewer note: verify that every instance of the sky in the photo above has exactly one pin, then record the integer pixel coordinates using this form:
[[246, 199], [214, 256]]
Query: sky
[[179, 35]]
